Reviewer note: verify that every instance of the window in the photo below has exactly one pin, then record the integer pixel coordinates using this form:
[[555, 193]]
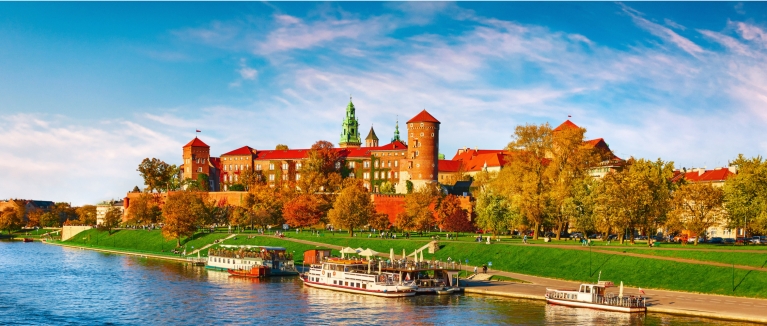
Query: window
[[388, 163], [258, 167], [271, 177], [241, 167], [351, 164], [376, 163], [236, 177], [432, 134], [284, 166], [366, 175], [298, 176], [388, 175], [298, 166], [284, 177], [225, 169], [366, 164], [351, 175], [376, 175], [395, 163], [421, 134], [338, 165], [199, 169], [271, 166], [421, 124]]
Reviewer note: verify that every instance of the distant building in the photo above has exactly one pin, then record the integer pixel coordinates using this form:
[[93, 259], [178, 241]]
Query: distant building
[[27, 204], [104, 207]]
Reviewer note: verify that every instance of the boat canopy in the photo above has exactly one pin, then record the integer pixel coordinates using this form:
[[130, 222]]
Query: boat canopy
[[251, 247]]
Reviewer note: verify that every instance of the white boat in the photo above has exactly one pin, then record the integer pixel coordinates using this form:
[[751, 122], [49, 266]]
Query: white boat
[[356, 276], [245, 258], [594, 296]]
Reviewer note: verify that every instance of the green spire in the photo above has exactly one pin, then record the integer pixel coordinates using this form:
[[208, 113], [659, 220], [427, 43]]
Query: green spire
[[396, 132], [350, 135]]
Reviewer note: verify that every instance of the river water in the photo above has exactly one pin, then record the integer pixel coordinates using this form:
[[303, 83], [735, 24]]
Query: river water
[[49, 285]]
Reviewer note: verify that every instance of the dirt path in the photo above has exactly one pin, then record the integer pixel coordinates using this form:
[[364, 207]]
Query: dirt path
[[211, 244]]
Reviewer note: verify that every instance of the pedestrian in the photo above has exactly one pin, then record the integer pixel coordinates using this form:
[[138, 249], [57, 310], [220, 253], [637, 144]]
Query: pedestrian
[[475, 270], [524, 239], [484, 269]]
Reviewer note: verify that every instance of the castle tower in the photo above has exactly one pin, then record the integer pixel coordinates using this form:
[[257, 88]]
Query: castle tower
[[420, 164], [196, 159], [371, 140], [396, 132], [350, 135]]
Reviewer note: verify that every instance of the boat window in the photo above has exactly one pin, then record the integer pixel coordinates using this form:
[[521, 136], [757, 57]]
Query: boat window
[[364, 285], [358, 285], [588, 289], [346, 283], [334, 281]]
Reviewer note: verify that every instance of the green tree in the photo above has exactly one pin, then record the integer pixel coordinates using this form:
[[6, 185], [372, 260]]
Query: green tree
[[745, 194], [203, 182], [157, 174], [494, 213], [698, 207], [409, 186], [49, 219], [386, 188], [237, 187], [180, 215], [353, 208]]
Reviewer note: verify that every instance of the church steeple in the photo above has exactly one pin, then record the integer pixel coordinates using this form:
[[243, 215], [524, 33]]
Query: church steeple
[[371, 140], [396, 132], [350, 135]]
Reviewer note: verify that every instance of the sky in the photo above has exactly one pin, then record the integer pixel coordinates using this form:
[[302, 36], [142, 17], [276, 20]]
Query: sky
[[88, 90]]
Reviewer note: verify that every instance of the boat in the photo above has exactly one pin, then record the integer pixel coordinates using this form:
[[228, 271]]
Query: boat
[[361, 276], [254, 272], [28, 240], [430, 276], [245, 258], [594, 296]]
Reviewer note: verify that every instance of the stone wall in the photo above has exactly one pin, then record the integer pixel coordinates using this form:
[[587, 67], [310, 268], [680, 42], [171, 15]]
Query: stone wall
[[68, 232], [390, 205]]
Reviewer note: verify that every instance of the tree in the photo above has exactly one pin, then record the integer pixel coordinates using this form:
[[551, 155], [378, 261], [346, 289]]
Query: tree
[[157, 174], [49, 219], [86, 215], [419, 212], [10, 219], [409, 186], [112, 218], [494, 213], [280, 147], [303, 210], [524, 180], [203, 183], [386, 188], [452, 217], [34, 216], [380, 221], [237, 187], [353, 208], [63, 212], [266, 204], [144, 210], [698, 206], [180, 215], [745, 194], [250, 177]]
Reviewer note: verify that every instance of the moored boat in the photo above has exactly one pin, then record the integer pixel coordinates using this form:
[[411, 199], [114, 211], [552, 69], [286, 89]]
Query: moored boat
[[357, 276], [28, 240], [594, 296], [430, 277], [254, 272], [246, 258]]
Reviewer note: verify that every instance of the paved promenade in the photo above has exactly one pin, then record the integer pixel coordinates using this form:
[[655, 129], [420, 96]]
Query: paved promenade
[[662, 301]]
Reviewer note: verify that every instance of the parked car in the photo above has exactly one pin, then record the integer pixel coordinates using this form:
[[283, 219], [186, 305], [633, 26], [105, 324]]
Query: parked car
[[596, 236], [640, 237], [729, 240], [692, 240], [756, 239], [716, 240], [576, 235], [740, 240], [612, 237]]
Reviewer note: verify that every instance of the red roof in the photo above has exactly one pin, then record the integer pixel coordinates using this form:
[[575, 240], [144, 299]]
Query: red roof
[[196, 142], [423, 117], [478, 162], [449, 166], [283, 154], [216, 162], [720, 174], [395, 145], [466, 154], [244, 150], [566, 124]]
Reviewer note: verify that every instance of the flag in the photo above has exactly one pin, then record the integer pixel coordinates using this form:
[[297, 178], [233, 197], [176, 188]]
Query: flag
[[569, 116], [641, 291], [198, 130]]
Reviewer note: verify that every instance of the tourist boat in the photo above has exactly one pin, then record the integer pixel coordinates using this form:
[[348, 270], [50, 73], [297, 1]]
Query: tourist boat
[[430, 277], [244, 258], [28, 240], [254, 272], [594, 296], [357, 276]]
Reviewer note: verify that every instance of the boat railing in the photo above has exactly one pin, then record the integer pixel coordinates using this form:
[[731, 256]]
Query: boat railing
[[411, 265], [610, 300]]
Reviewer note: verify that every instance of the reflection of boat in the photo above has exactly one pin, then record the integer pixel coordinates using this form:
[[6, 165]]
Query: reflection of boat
[[446, 291], [594, 296], [246, 258], [254, 272], [356, 276]]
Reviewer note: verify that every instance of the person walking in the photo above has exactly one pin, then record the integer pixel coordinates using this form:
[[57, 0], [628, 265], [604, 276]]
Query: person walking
[[524, 239], [475, 270]]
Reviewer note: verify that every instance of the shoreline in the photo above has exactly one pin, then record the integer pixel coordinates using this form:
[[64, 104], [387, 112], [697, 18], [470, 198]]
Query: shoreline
[[511, 290]]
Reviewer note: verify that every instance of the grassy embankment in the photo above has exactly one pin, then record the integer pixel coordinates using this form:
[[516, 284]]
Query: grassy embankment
[[34, 234], [140, 241], [577, 265], [754, 259]]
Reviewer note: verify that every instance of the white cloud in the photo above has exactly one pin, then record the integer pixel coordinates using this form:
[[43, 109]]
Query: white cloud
[[663, 32], [674, 24]]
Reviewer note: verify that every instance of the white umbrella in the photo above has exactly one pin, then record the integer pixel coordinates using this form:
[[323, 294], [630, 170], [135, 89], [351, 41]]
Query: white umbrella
[[620, 292], [404, 256], [359, 249], [368, 252], [348, 250], [421, 256], [391, 254]]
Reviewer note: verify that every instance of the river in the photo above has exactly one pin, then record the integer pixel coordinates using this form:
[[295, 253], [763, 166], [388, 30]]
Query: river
[[49, 285]]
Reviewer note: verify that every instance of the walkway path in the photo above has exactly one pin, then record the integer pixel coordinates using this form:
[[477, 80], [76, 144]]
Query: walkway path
[[211, 244], [662, 301]]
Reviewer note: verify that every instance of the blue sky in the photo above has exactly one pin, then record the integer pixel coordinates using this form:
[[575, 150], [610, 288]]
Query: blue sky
[[87, 90]]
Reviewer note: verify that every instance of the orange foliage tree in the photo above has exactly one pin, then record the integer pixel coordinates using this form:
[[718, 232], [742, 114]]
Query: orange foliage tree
[[302, 210]]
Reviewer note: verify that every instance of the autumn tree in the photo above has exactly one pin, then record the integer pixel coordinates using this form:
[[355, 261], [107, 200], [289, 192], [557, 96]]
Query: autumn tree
[[10, 219], [143, 210], [157, 174], [745, 194], [353, 208], [34, 216], [63, 212], [697, 207], [386, 188], [180, 215], [210, 211], [112, 219], [524, 180], [419, 209], [265, 204], [380, 221], [86, 215], [452, 217], [303, 210], [280, 147]]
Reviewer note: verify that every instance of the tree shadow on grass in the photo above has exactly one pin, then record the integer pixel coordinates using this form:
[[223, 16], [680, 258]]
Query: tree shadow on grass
[[601, 265], [744, 277]]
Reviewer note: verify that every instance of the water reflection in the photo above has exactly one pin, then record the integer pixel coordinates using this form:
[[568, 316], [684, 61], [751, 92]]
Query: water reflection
[[44, 284]]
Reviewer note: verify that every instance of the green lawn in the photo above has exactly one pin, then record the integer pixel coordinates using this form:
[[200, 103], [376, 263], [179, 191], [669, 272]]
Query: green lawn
[[755, 259], [139, 240]]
